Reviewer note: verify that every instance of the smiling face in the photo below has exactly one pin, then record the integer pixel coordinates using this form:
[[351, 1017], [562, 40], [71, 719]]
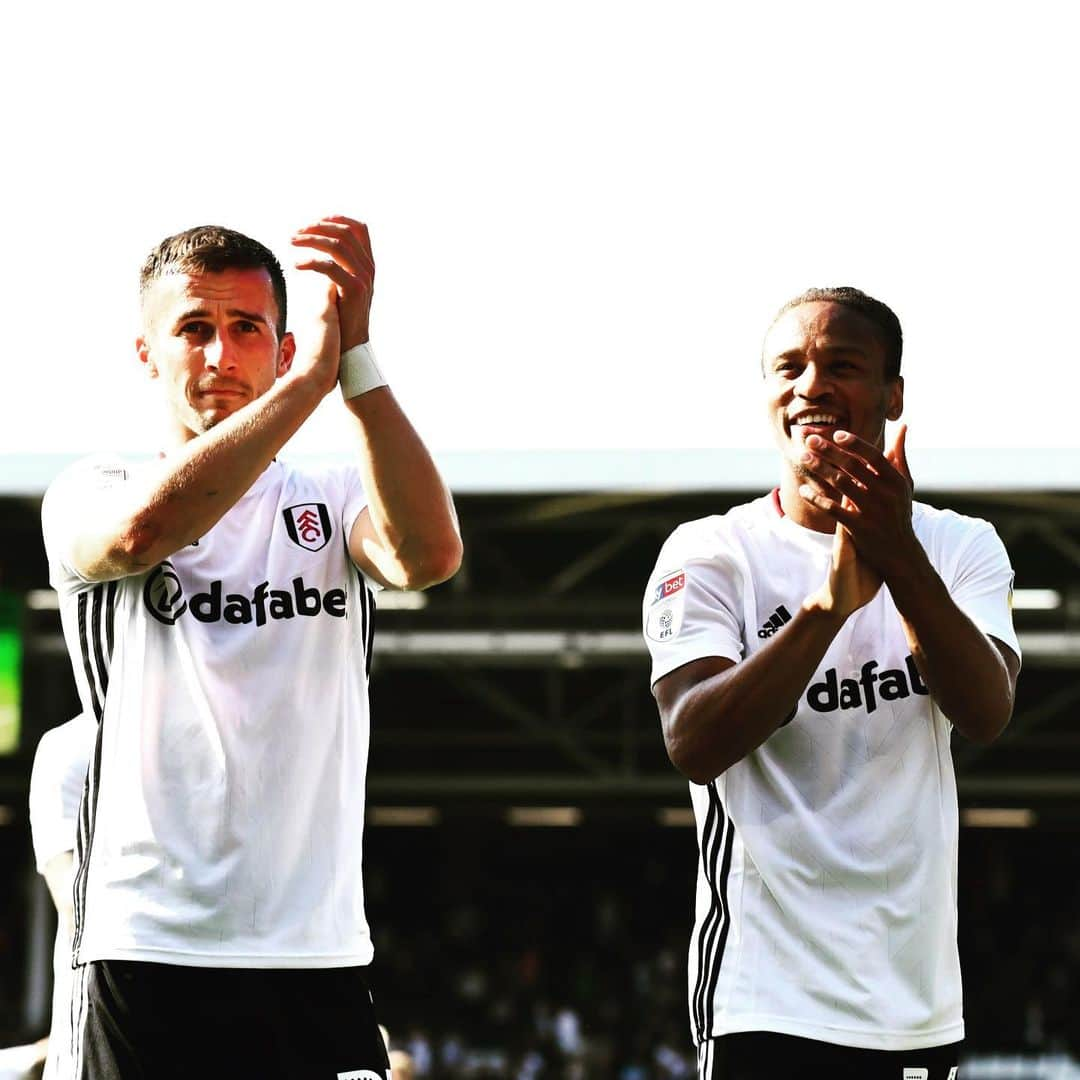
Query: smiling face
[[825, 370], [211, 339]]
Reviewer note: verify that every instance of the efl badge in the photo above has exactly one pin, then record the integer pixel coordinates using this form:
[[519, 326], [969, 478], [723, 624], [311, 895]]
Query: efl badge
[[308, 525]]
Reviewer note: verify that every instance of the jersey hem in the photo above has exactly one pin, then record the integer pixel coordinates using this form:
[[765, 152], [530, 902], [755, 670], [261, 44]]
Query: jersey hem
[[838, 1036], [225, 960], [664, 669]]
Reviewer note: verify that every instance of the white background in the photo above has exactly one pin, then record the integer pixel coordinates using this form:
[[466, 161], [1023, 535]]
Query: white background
[[584, 214]]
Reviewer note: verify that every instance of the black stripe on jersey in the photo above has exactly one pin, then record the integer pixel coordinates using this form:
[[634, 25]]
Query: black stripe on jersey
[[84, 646], [712, 829], [106, 631], [369, 635], [716, 856], [718, 956], [110, 618], [84, 840], [367, 620], [79, 982], [96, 639], [99, 644]]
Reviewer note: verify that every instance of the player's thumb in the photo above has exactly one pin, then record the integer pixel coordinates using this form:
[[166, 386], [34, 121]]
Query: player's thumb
[[842, 548], [897, 453]]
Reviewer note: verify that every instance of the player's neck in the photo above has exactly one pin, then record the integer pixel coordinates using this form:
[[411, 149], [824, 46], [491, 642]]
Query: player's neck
[[798, 509]]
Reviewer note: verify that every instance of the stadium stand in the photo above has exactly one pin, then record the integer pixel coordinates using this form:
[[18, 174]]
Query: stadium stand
[[529, 850]]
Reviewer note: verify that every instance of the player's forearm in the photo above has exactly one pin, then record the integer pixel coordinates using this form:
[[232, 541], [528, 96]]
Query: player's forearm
[[59, 875], [963, 670], [411, 509], [164, 508], [720, 720]]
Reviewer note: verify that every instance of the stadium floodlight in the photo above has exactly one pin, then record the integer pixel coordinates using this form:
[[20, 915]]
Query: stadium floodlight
[[405, 600], [1036, 600], [998, 817], [42, 600], [402, 815], [544, 815]]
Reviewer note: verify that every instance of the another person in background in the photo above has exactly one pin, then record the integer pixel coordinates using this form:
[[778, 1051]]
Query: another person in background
[[56, 786], [402, 1066], [56, 783]]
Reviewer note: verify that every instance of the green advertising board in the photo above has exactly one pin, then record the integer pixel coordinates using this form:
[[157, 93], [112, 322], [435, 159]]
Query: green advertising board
[[10, 672]]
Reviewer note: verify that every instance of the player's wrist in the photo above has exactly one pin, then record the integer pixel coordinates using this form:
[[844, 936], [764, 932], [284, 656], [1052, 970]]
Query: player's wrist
[[358, 373], [304, 387], [908, 567], [823, 609], [917, 590]]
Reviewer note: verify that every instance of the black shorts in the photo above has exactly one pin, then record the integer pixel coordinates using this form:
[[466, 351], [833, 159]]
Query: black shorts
[[140, 1021], [768, 1055]]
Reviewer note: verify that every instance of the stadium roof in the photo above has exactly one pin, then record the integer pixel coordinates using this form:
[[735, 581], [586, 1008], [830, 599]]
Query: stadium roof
[[497, 471]]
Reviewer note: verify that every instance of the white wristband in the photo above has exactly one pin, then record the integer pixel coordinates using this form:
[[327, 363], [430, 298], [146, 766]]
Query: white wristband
[[358, 372]]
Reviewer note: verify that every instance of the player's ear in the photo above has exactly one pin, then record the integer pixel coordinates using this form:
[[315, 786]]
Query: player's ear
[[142, 347], [894, 405], [286, 352]]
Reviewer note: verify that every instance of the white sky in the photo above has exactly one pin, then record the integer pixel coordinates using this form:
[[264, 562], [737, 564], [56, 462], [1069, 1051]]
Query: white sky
[[583, 214]]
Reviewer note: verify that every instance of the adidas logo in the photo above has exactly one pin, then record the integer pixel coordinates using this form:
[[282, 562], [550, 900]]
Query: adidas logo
[[777, 619]]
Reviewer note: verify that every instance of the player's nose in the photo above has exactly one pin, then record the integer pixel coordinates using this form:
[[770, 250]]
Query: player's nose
[[812, 381], [219, 354]]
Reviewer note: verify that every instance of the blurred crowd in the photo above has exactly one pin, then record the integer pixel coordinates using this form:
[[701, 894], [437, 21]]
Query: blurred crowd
[[1020, 940], [483, 974]]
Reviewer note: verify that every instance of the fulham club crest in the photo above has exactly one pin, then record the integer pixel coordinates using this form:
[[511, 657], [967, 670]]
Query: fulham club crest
[[308, 525]]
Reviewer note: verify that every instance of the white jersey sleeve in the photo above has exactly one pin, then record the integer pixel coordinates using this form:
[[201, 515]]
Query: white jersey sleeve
[[694, 602], [975, 567], [56, 785], [354, 503], [61, 512]]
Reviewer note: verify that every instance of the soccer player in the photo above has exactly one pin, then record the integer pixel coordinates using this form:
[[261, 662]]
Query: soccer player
[[217, 603], [56, 785], [812, 652]]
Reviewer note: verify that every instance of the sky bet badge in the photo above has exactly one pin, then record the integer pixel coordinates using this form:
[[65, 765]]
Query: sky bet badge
[[666, 607]]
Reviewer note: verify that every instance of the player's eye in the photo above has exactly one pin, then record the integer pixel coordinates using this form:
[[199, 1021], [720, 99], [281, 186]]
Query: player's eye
[[195, 329], [246, 326]]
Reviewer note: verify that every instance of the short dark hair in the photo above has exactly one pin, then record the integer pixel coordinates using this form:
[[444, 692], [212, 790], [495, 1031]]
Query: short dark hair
[[210, 249], [882, 316]]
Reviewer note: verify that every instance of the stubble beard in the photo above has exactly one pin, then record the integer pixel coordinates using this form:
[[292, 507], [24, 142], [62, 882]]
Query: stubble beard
[[198, 422]]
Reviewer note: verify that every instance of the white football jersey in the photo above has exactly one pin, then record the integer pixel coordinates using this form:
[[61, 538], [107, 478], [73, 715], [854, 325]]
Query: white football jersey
[[225, 801], [56, 785], [826, 891]]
